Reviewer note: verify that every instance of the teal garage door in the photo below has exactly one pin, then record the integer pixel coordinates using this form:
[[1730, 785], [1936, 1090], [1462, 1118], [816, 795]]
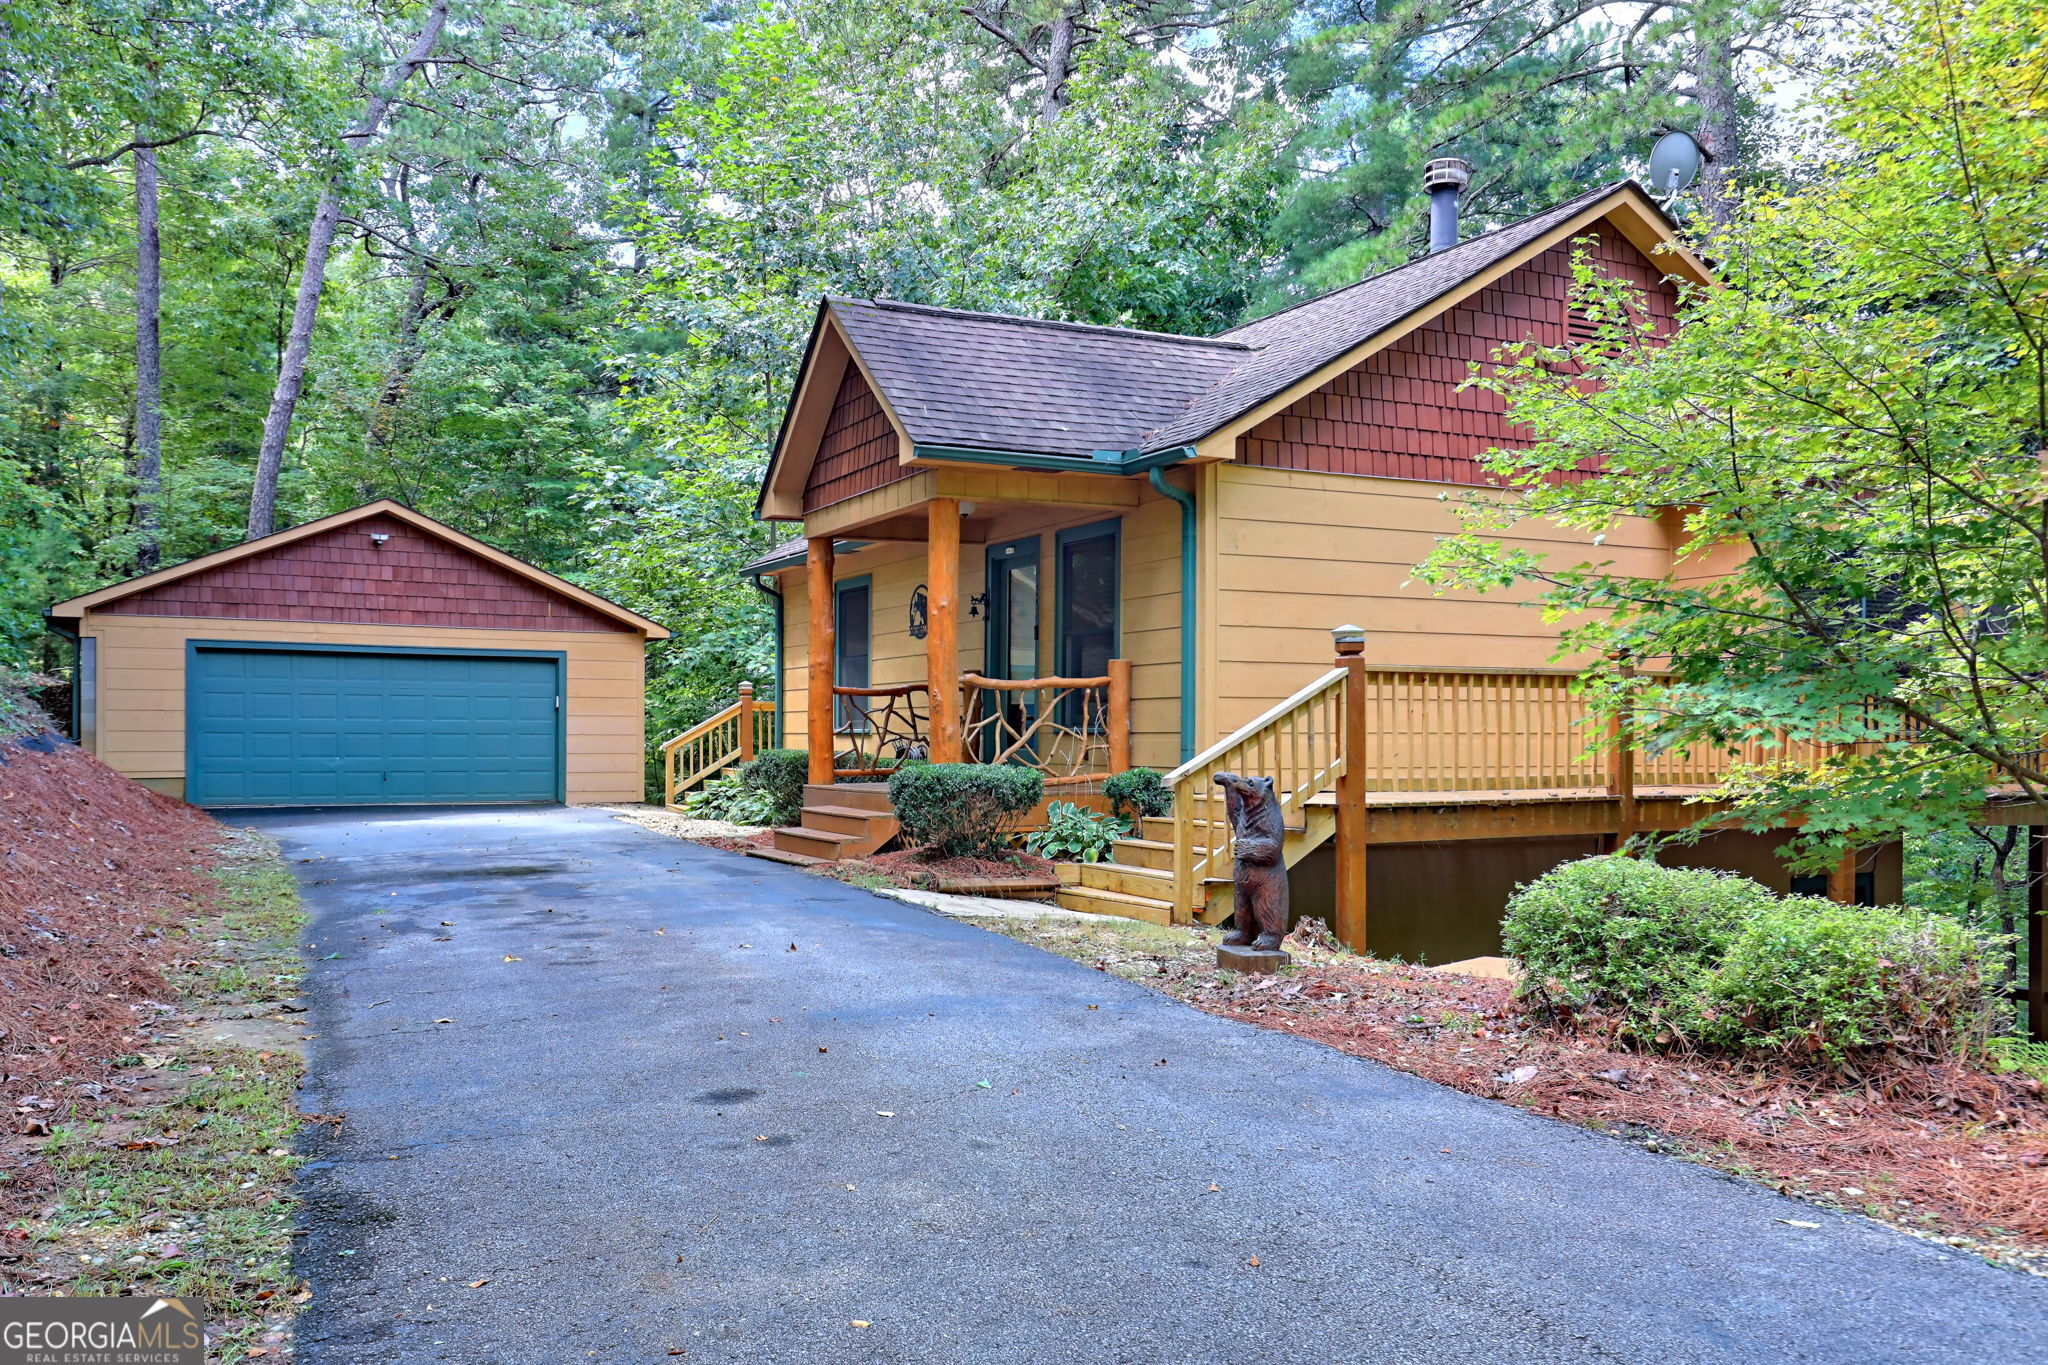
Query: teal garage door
[[287, 727]]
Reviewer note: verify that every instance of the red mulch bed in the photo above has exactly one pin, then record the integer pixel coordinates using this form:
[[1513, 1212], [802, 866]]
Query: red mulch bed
[[913, 867], [1943, 1147], [93, 867]]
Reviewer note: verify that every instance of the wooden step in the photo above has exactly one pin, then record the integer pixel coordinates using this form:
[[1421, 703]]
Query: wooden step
[[869, 828], [1093, 901], [821, 844], [776, 855], [1143, 853], [858, 795], [1150, 882]]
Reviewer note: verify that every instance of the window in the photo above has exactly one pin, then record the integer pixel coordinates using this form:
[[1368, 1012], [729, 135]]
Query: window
[[1087, 588], [851, 651]]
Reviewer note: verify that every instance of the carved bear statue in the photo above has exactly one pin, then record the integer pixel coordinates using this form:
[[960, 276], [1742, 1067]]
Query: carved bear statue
[[1260, 914]]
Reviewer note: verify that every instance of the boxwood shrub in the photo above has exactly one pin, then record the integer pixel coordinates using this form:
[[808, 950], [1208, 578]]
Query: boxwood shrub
[[1137, 792], [779, 775], [962, 810], [1670, 956]]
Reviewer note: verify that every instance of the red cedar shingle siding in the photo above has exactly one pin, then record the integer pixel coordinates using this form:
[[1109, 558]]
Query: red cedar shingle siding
[[340, 575], [1401, 414], [858, 451]]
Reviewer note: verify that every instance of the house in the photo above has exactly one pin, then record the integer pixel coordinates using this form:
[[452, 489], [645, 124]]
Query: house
[[375, 656], [1086, 547]]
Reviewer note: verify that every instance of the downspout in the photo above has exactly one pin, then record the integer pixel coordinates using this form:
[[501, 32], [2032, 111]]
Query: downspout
[[1186, 500], [774, 595]]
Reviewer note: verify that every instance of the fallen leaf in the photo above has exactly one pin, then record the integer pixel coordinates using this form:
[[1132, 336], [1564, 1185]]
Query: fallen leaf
[[1521, 1075], [447, 924], [1215, 1188], [661, 931], [862, 1322], [1445, 1150], [444, 1021], [1796, 1223], [983, 1085], [1253, 1263], [792, 947], [510, 958], [824, 1049], [885, 1113], [478, 1284]]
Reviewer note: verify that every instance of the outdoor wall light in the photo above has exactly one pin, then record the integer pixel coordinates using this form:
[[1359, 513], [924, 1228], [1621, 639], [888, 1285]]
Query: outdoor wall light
[[1350, 639], [377, 538]]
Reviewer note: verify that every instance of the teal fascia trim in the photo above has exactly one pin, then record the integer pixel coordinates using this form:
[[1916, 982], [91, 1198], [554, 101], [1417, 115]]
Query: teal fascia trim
[[1187, 606], [1097, 462]]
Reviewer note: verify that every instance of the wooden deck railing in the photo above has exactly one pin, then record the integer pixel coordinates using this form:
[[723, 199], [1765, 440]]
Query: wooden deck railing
[[714, 744], [1299, 744]]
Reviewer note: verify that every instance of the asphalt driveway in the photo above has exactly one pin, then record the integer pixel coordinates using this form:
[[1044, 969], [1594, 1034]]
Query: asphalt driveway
[[670, 1103]]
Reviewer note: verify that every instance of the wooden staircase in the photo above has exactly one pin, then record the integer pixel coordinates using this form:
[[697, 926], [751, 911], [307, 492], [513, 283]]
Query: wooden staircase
[[1137, 881], [840, 820]]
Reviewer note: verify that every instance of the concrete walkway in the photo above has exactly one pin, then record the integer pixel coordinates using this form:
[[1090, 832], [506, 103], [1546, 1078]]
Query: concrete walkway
[[660, 1099]]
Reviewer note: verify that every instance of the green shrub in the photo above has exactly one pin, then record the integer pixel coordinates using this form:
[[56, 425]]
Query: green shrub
[[1807, 978], [1071, 832], [958, 810], [729, 798], [1688, 956], [1624, 938], [779, 775], [1137, 793]]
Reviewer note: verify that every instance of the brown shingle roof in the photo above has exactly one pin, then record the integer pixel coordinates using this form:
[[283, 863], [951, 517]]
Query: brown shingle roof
[[993, 381]]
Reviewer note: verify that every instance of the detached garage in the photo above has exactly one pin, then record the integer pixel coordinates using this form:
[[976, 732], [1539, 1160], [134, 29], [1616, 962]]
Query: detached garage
[[372, 657]]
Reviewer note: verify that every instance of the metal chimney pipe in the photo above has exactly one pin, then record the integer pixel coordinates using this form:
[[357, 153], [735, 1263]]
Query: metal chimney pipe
[[1443, 180]]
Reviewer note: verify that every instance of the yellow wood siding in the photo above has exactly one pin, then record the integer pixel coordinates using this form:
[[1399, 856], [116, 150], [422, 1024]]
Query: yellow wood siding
[[141, 712], [1296, 553]]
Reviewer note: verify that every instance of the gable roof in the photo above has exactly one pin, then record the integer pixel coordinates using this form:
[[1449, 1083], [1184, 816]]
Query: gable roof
[[75, 607], [993, 381], [950, 379]]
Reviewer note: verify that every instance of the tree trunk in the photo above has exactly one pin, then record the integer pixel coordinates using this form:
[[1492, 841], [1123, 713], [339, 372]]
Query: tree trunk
[[397, 377], [1060, 43], [291, 374], [149, 380], [1720, 118]]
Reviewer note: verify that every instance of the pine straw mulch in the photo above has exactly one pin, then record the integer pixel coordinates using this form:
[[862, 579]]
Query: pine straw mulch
[[1941, 1150], [93, 870]]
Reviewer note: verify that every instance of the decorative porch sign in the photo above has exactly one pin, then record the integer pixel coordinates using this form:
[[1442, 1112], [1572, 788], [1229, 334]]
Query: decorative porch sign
[[920, 612]]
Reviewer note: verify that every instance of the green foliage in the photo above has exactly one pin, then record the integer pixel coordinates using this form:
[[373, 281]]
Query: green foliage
[[1137, 793], [1686, 957], [960, 810], [1075, 833], [1625, 938], [779, 775], [1808, 979], [1853, 426], [2017, 1054], [733, 798]]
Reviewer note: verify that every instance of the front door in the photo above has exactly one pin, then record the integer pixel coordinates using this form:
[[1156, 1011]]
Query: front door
[[851, 644], [1090, 586], [1012, 644]]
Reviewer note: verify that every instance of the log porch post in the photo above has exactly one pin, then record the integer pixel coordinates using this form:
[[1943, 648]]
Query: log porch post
[[818, 696], [1119, 715], [1350, 927], [942, 627]]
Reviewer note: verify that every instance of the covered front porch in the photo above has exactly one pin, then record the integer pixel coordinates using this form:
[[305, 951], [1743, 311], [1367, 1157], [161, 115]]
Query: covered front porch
[[987, 616]]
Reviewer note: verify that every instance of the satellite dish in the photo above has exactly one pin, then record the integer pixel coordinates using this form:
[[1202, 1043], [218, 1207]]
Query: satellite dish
[[1674, 162]]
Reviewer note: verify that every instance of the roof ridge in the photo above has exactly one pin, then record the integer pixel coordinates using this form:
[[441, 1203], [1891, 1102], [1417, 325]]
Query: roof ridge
[[1574, 202], [904, 306]]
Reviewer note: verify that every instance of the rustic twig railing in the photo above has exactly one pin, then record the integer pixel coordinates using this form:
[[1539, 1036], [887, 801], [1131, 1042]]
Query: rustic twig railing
[[878, 737], [714, 744], [1074, 730]]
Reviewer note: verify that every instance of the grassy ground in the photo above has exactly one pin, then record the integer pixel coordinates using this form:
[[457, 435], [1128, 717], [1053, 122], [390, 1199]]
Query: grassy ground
[[192, 1196]]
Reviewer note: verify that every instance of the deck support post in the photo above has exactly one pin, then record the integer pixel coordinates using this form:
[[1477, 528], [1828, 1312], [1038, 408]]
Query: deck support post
[[1350, 927], [942, 627], [823, 606], [1119, 720], [1842, 879], [2037, 933], [1621, 768], [746, 722]]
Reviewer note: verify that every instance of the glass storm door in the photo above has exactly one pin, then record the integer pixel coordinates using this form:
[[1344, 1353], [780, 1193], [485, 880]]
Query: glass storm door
[[1012, 636], [1088, 586], [850, 645]]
